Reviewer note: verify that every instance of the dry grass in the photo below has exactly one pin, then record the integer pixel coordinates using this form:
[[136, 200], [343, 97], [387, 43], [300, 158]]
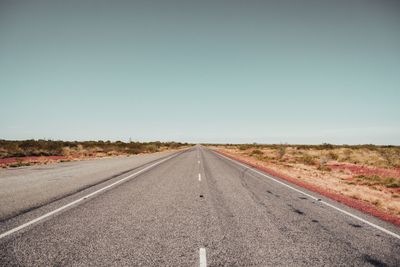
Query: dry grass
[[28, 152], [368, 173], [374, 180]]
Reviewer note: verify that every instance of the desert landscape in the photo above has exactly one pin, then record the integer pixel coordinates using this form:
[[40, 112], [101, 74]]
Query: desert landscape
[[32, 152], [367, 173], [364, 173], [200, 133]]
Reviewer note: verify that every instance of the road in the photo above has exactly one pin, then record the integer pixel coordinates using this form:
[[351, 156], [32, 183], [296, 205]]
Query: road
[[196, 208], [23, 189]]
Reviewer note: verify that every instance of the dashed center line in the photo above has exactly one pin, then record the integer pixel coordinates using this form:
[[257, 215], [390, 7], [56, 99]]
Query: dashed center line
[[203, 258]]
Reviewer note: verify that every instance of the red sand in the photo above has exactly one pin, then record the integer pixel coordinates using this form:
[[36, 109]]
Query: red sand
[[30, 159], [366, 171], [353, 203]]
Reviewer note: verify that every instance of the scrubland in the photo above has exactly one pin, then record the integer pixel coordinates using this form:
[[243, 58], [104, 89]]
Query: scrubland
[[28, 152], [366, 172]]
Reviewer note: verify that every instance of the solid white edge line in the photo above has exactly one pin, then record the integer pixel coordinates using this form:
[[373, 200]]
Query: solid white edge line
[[203, 257], [16, 229], [315, 198]]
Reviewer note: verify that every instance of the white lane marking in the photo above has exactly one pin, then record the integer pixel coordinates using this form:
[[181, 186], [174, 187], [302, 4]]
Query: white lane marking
[[198, 161], [315, 198], [9, 232], [199, 177], [203, 258]]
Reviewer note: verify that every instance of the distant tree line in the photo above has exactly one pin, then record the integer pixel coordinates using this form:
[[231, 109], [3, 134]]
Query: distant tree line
[[10, 148]]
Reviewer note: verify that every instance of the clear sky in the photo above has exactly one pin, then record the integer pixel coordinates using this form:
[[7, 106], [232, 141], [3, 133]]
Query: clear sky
[[201, 71]]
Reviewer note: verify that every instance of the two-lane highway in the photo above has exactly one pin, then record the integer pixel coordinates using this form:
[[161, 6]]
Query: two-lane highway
[[197, 208]]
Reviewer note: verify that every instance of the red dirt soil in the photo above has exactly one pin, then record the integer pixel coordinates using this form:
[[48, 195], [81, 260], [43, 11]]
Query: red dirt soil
[[45, 159], [366, 171], [353, 203], [30, 159]]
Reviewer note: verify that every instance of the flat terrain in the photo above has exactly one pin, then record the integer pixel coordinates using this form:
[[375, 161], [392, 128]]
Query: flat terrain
[[370, 174], [24, 188], [197, 199]]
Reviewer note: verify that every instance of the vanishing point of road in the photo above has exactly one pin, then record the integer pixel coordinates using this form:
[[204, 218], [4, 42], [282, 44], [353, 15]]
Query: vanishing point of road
[[187, 208]]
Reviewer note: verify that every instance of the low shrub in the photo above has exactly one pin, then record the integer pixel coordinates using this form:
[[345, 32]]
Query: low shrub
[[332, 155], [391, 156], [324, 168], [244, 147], [307, 159], [388, 182], [256, 152], [281, 151], [66, 148]]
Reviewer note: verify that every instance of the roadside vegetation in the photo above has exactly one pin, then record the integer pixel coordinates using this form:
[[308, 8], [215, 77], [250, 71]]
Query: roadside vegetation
[[27, 152], [371, 155], [368, 173]]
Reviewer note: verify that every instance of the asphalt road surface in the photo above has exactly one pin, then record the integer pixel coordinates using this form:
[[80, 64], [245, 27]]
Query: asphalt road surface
[[193, 208], [23, 189]]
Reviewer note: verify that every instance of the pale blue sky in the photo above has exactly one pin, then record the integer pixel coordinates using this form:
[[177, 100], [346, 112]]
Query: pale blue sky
[[201, 71]]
